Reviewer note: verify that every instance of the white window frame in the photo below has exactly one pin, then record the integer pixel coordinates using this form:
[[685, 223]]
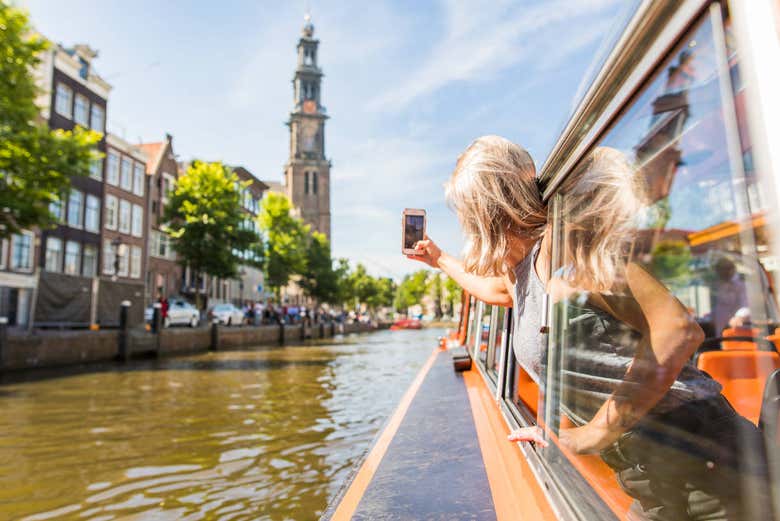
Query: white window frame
[[108, 257], [112, 174], [137, 221], [126, 174], [125, 216], [58, 267], [81, 118], [136, 259], [60, 91], [111, 220], [96, 169], [4, 254], [30, 236], [94, 200], [57, 209], [77, 270], [79, 222], [139, 174], [95, 124], [124, 260], [92, 248]]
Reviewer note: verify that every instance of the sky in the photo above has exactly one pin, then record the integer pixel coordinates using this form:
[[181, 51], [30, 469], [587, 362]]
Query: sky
[[408, 85]]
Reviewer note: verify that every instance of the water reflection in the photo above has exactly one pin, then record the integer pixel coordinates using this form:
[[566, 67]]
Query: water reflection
[[262, 434]]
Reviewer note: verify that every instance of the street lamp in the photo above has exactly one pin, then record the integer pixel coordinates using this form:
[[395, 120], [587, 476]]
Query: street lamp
[[116, 243]]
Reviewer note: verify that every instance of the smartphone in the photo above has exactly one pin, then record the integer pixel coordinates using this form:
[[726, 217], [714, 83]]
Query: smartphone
[[412, 230]]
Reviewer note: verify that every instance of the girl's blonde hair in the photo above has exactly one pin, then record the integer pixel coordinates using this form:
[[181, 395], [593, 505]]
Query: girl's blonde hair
[[493, 190], [602, 199]]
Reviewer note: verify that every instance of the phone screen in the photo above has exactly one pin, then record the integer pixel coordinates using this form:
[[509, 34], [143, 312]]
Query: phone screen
[[414, 230]]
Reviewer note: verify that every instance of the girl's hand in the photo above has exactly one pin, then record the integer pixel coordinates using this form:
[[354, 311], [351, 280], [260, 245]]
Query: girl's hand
[[532, 434], [428, 252]]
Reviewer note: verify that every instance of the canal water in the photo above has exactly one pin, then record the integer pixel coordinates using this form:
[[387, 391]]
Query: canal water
[[266, 433]]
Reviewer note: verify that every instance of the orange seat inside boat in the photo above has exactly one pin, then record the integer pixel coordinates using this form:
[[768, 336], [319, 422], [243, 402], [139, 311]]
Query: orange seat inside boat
[[743, 375], [731, 345]]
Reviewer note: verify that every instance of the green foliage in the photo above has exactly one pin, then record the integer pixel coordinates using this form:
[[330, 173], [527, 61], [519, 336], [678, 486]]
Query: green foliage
[[671, 261], [411, 290], [287, 239], [206, 221], [319, 279], [35, 163], [453, 293]]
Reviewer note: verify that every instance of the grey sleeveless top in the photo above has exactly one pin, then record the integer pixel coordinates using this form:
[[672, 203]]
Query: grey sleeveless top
[[598, 350], [527, 340]]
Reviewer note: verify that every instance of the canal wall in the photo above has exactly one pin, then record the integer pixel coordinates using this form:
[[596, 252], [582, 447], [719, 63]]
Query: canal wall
[[62, 348]]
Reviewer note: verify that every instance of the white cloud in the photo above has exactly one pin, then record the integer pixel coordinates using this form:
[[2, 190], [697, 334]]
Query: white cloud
[[482, 41]]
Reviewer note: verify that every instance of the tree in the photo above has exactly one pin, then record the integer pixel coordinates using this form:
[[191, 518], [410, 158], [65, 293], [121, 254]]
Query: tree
[[36, 163], [206, 221], [435, 291], [286, 241], [319, 279], [453, 293], [385, 293], [411, 290]]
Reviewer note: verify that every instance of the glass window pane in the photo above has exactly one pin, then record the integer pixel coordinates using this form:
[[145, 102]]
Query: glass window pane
[[81, 110], [76, 208], [89, 265], [53, 259], [98, 118], [21, 251], [126, 173], [138, 179], [92, 214], [138, 216], [659, 264], [96, 169], [72, 257], [112, 172], [124, 216], [63, 102]]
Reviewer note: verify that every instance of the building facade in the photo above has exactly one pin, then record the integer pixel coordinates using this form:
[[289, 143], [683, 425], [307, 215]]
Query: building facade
[[124, 231], [164, 274], [307, 172], [70, 253]]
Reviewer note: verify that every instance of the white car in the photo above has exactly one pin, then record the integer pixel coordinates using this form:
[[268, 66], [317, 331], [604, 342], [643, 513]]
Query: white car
[[227, 314], [181, 312]]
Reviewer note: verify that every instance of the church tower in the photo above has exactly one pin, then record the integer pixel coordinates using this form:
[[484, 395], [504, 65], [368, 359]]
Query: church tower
[[307, 172]]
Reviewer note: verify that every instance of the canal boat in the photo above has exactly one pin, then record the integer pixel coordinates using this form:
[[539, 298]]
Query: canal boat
[[406, 323], [690, 90]]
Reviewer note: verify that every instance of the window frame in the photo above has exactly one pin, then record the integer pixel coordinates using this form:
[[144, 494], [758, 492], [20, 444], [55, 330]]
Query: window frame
[[86, 105], [96, 108], [109, 223], [79, 223], [30, 238], [77, 270], [125, 225], [94, 263], [57, 90], [139, 174], [112, 174], [136, 261], [4, 250], [60, 255], [96, 212], [139, 230], [126, 173]]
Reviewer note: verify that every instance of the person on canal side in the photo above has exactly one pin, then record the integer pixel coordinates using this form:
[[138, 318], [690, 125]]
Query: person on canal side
[[629, 392]]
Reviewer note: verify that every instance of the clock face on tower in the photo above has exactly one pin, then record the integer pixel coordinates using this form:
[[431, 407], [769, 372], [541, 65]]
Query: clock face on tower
[[309, 135]]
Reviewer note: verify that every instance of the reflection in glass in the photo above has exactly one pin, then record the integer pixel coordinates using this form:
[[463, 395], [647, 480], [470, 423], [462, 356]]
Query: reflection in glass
[[661, 279]]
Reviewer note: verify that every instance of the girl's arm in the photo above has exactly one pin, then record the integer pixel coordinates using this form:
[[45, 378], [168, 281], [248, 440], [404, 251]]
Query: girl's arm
[[491, 290], [670, 336]]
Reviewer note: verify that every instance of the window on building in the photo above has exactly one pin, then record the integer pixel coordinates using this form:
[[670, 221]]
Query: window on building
[[92, 214], [306, 182], [76, 209], [63, 102], [138, 179], [89, 264], [135, 262], [167, 186], [96, 169], [138, 220], [314, 182], [22, 251], [112, 172], [126, 174], [109, 255], [57, 210], [98, 118], [3, 253], [112, 212], [123, 254], [124, 216], [72, 257], [81, 110], [53, 259]]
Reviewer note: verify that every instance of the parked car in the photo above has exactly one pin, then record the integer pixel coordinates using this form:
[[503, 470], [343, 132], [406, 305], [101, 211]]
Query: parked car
[[181, 312], [227, 314]]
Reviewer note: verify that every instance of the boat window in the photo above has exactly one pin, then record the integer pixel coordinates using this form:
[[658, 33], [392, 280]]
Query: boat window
[[495, 341], [485, 314], [474, 317], [663, 308]]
